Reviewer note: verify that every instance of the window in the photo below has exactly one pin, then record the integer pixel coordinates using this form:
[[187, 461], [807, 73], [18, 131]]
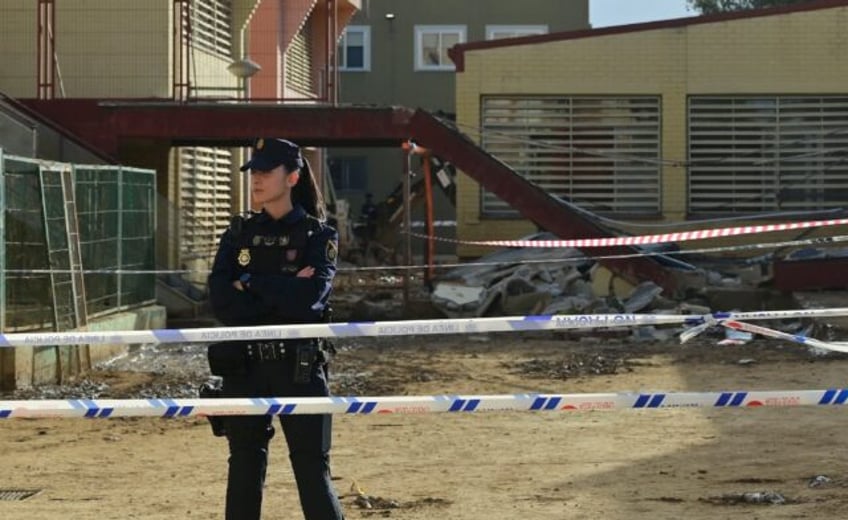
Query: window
[[432, 43], [497, 32], [349, 173], [205, 210], [601, 152], [211, 26], [299, 61], [355, 48], [767, 153]]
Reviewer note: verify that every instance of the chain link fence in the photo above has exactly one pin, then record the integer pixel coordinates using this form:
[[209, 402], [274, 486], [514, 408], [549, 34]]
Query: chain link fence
[[59, 223]]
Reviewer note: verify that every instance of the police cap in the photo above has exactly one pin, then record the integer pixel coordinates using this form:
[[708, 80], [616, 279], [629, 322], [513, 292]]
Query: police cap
[[268, 153]]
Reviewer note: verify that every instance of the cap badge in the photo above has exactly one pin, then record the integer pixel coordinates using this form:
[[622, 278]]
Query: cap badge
[[260, 143]]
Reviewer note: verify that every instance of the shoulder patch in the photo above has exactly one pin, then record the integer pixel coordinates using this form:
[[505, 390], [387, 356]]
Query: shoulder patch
[[238, 221], [236, 224], [332, 250]]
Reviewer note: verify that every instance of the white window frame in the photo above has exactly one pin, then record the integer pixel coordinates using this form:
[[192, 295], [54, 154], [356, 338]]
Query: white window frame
[[421, 30], [365, 30], [522, 30]]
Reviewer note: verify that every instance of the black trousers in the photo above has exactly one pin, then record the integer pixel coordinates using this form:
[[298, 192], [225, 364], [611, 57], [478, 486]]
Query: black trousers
[[307, 436]]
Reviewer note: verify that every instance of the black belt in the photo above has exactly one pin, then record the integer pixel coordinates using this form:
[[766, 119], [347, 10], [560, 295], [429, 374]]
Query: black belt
[[274, 350]]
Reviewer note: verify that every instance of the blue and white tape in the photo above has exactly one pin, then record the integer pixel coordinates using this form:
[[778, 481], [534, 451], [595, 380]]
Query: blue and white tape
[[794, 338], [397, 328], [172, 408]]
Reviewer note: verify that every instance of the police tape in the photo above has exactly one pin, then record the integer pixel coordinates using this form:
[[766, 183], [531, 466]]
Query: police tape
[[679, 236], [795, 338], [398, 328], [530, 402], [814, 241]]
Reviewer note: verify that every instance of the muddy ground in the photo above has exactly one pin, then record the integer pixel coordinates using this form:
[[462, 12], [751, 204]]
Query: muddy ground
[[694, 464]]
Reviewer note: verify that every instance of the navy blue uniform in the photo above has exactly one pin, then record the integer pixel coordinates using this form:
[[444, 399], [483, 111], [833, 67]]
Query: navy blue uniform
[[267, 254]]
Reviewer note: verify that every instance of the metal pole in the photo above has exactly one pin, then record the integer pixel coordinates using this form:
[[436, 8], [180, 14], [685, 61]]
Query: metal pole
[[3, 308], [430, 255], [407, 220]]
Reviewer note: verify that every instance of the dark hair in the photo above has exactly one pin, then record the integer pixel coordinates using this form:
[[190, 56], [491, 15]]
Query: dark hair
[[307, 194]]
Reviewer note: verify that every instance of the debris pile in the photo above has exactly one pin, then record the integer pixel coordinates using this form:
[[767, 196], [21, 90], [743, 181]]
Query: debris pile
[[575, 364], [755, 497], [523, 281]]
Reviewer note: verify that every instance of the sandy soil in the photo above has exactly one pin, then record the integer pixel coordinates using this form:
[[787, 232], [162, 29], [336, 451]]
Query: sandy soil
[[494, 466]]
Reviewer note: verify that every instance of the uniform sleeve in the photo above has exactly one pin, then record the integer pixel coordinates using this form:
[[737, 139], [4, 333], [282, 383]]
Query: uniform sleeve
[[303, 298], [229, 305]]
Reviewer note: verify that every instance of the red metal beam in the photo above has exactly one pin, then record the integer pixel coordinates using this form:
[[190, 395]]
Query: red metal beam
[[106, 124], [532, 202]]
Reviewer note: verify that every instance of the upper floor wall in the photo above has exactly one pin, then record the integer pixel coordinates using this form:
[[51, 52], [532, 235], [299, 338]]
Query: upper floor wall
[[130, 48], [396, 52]]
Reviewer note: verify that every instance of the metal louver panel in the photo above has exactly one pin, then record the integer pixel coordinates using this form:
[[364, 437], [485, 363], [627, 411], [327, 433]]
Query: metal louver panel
[[767, 153], [205, 202], [601, 152], [299, 62], [211, 25]]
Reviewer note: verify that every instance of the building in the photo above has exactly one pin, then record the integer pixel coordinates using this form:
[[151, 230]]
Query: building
[[396, 53], [76, 73], [185, 51], [726, 115]]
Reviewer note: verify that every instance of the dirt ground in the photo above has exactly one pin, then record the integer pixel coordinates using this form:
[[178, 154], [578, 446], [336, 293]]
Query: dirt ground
[[693, 464]]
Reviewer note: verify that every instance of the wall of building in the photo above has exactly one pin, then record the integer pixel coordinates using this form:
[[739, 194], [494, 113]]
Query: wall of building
[[22, 367], [104, 48], [18, 48], [797, 53], [393, 80]]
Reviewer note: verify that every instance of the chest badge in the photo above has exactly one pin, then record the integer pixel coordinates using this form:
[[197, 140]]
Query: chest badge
[[291, 255], [244, 257], [257, 240], [284, 240]]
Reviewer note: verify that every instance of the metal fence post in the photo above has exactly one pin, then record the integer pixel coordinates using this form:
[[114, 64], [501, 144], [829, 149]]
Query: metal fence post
[[3, 306], [120, 248]]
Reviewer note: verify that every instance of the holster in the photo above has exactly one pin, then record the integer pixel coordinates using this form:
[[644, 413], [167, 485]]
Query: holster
[[227, 358], [327, 350], [209, 390]]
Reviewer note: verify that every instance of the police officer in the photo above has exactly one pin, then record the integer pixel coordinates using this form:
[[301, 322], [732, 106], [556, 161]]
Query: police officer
[[368, 214], [276, 267]]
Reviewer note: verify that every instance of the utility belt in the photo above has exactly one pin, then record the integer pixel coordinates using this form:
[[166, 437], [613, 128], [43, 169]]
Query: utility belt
[[233, 358]]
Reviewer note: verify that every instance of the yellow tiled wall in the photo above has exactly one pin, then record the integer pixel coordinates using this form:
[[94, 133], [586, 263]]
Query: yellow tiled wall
[[794, 53], [104, 48]]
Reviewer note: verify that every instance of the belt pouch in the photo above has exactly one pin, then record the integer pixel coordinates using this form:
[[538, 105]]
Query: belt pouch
[[304, 360], [227, 358]]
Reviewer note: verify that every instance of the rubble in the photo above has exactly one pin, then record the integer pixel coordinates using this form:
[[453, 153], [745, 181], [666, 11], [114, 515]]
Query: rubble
[[756, 497], [573, 365], [551, 281], [819, 481], [522, 281], [515, 280]]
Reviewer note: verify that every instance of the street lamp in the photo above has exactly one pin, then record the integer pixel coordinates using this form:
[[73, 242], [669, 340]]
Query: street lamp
[[243, 69]]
